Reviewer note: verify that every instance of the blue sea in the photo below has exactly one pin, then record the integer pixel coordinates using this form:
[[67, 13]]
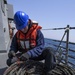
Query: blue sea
[[52, 42]]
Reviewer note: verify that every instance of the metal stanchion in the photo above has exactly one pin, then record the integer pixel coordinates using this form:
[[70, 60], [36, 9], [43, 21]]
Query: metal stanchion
[[67, 42]]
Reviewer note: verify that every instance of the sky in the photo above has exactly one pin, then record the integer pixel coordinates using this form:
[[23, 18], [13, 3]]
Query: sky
[[49, 14]]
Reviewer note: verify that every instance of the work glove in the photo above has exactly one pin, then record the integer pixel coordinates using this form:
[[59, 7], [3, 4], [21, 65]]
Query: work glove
[[11, 54], [14, 59], [24, 57]]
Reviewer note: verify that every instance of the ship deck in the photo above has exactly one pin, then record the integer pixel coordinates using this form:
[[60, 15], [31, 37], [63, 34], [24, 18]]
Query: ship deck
[[3, 66]]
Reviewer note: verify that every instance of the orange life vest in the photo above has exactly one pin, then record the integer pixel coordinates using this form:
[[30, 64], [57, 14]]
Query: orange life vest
[[27, 41]]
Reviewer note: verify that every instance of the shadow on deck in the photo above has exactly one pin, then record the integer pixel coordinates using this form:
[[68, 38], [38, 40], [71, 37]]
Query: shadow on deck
[[2, 70], [3, 65]]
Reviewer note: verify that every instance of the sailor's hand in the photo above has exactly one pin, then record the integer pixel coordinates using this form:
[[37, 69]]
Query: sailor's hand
[[24, 57], [14, 59], [11, 54]]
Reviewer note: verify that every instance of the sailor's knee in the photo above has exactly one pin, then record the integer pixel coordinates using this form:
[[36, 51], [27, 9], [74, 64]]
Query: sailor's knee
[[49, 50]]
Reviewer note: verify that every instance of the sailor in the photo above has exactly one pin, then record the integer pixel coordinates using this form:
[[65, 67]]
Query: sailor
[[28, 43], [10, 29]]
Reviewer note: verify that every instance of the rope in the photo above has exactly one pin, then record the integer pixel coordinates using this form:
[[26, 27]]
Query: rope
[[59, 28], [36, 68]]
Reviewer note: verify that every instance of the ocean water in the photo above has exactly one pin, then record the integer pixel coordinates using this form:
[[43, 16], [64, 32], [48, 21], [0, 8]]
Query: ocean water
[[51, 43]]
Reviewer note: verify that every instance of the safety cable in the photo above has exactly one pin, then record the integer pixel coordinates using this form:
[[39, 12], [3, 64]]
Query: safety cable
[[59, 28]]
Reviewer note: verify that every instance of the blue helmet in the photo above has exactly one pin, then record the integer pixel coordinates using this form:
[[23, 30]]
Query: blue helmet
[[21, 20]]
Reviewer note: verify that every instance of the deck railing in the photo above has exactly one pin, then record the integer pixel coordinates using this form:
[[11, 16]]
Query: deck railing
[[63, 60], [66, 50]]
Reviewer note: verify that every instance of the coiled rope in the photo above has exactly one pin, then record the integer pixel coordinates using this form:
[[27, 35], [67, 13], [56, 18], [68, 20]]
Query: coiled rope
[[36, 68]]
